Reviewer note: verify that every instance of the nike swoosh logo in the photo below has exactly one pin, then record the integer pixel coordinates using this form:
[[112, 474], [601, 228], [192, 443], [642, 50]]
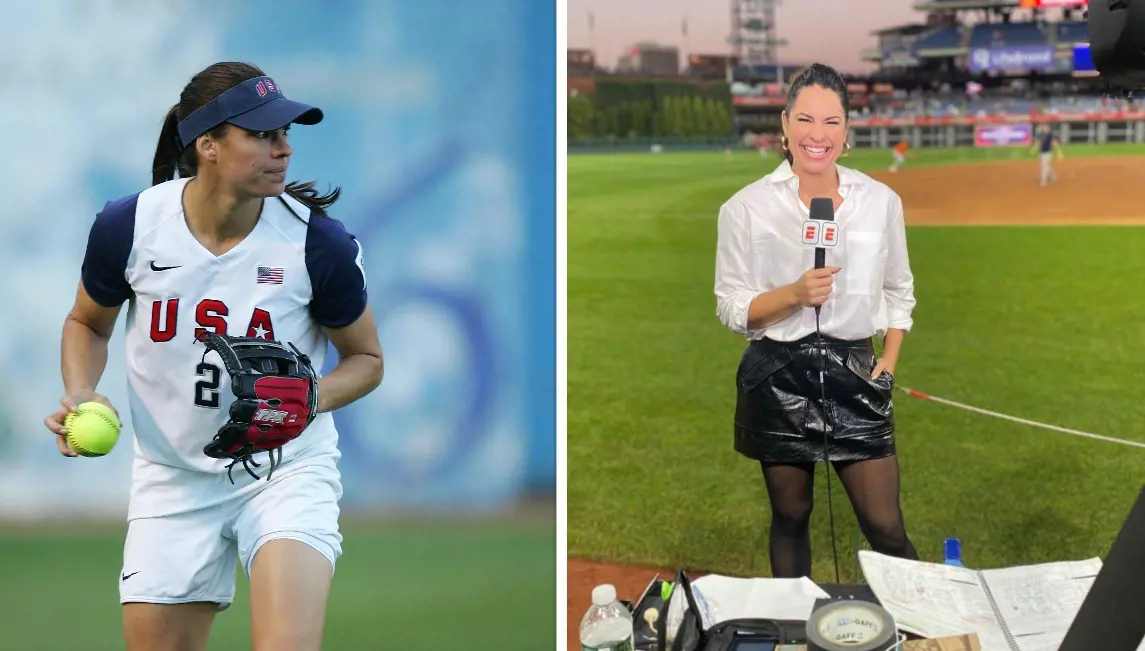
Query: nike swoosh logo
[[154, 268], [128, 576]]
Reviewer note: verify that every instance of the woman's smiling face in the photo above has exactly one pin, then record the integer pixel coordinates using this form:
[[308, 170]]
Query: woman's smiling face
[[816, 129]]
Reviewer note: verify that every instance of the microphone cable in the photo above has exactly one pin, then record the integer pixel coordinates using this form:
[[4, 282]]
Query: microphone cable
[[827, 427], [822, 210]]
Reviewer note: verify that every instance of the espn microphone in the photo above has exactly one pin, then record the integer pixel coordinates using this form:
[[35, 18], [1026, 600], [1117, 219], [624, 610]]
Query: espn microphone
[[821, 230], [823, 210]]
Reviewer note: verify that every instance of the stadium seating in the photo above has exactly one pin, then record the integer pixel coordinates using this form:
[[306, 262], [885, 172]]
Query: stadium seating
[[941, 88], [894, 52], [930, 106], [1072, 33], [998, 35], [944, 38]]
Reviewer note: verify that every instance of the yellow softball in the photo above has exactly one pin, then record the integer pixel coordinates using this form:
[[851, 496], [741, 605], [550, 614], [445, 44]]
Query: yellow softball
[[93, 429]]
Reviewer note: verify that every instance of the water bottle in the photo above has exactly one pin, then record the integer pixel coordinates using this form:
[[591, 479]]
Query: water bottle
[[953, 552], [607, 626]]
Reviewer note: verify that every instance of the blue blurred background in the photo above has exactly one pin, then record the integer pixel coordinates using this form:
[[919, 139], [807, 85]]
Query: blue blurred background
[[440, 129]]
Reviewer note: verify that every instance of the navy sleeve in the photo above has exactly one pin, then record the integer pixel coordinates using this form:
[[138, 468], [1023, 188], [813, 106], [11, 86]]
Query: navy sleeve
[[337, 273], [104, 269]]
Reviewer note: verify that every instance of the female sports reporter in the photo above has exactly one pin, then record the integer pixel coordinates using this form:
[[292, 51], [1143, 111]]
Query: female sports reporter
[[767, 288]]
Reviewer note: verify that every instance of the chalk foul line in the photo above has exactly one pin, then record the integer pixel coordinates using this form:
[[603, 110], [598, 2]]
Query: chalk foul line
[[1032, 423]]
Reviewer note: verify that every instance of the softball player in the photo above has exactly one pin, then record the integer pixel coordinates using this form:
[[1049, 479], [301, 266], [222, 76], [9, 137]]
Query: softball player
[[228, 246], [1047, 144], [766, 289]]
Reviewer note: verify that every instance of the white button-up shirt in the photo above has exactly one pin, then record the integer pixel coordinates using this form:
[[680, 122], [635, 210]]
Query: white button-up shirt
[[760, 247]]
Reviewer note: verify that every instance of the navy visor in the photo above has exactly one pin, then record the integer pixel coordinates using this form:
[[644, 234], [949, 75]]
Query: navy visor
[[256, 104]]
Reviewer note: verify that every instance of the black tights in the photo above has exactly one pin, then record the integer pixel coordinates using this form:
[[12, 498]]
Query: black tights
[[872, 486]]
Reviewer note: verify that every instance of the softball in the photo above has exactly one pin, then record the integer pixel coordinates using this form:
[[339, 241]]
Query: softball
[[93, 429]]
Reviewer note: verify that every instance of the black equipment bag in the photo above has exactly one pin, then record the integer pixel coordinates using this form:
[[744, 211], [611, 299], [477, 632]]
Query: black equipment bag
[[728, 635]]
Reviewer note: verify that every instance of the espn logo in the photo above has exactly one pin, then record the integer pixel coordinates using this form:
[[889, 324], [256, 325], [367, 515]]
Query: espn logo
[[820, 232], [276, 416]]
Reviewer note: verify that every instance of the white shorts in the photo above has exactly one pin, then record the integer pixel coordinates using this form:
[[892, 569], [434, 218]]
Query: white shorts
[[191, 556]]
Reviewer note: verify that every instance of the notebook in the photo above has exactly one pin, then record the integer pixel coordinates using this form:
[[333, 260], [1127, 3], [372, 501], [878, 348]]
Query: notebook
[[1024, 608]]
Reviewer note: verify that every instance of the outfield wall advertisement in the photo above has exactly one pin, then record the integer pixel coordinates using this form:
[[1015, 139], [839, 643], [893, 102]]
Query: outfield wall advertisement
[[1026, 58], [1003, 135]]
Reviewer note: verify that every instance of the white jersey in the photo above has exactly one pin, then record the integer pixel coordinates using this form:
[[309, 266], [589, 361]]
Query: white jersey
[[296, 271]]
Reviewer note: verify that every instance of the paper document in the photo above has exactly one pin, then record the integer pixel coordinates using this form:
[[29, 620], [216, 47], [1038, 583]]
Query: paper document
[[1025, 608], [725, 597]]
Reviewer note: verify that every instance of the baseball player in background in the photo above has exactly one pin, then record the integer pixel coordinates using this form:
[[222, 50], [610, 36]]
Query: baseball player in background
[[229, 245], [1047, 144], [899, 154], [764, 143]]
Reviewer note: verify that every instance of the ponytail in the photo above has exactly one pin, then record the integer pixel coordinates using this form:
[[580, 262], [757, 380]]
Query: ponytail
[[167, 152], [305, 193]]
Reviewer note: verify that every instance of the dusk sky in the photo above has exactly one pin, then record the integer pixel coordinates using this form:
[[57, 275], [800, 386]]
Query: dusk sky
[[829, 31]]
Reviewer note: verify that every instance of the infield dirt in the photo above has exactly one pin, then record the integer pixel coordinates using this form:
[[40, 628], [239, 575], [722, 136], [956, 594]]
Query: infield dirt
[[1094, 191]]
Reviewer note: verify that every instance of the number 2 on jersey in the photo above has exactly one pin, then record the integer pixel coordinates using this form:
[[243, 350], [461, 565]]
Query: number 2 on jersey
[[207, 388]]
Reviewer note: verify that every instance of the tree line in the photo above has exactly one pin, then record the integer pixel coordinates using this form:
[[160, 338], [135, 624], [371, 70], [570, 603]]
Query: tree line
[[672, 116]]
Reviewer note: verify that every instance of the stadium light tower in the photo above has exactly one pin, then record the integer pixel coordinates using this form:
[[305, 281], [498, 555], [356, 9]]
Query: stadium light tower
[[754, 38]]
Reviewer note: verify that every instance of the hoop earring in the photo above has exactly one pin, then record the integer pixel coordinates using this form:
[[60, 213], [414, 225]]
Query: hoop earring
[[783, 142], [846, 150]]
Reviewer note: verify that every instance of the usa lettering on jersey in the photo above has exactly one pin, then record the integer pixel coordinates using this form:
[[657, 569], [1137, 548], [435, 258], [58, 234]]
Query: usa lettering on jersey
[[209, 314]]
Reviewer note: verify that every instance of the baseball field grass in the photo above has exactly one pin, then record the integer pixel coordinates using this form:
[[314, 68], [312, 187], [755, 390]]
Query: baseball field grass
[[1038, 322], [411, 586]]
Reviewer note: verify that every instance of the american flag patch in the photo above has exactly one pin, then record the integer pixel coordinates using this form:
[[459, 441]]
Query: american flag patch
[[270, 275]]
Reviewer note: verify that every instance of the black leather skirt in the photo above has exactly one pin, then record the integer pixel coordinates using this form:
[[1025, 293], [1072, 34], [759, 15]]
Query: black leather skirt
[[780, 417]]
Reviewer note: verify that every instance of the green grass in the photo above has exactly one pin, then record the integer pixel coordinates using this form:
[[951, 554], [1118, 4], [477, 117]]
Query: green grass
[[430, 587], [1042, 323]]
